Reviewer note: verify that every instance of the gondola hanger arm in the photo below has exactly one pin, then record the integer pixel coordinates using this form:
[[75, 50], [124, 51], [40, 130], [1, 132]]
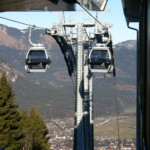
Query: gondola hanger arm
[[108, 40], [34, 44]]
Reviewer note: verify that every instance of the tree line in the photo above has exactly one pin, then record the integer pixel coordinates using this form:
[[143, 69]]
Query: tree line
[[19, 130]]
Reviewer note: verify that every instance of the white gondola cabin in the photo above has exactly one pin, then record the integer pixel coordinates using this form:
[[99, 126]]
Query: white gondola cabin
[[37, 60], [100, 59]]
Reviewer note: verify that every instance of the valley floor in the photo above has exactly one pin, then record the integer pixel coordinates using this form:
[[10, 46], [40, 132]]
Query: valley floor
[[105, 131]]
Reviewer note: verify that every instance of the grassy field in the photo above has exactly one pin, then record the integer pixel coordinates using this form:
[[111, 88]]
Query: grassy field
[[127, 128], [98, 121], [128, 111]]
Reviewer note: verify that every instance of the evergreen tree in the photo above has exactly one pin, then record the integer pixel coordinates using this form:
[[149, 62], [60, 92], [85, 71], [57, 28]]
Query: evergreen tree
[[19, 131], [10, 127], [27, 131], [34, 130]]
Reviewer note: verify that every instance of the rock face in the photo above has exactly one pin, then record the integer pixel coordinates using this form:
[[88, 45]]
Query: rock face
[[52, 92], [12, 75], [11, 41]]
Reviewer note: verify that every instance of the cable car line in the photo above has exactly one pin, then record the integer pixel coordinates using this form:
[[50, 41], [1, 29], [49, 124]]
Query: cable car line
[[100, 57], [29, 25]]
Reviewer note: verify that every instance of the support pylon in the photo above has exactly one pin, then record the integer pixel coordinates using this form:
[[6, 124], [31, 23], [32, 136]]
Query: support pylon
[[78, 129]]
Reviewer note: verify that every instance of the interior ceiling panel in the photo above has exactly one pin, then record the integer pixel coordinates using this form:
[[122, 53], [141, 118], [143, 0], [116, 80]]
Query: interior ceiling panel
[[41, 5], [49, 5]]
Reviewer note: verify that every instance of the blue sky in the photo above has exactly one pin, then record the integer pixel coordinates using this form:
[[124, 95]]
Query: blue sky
[[119, 31]]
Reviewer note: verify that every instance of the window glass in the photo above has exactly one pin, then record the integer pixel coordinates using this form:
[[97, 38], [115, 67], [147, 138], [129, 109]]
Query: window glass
[[99, 54], [37, 54]]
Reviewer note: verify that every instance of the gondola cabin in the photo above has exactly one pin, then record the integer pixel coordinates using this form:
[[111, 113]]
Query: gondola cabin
[[37, 60], [100, 59]]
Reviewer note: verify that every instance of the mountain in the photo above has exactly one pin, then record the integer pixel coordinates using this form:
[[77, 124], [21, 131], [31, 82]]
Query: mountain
[[50, 99], [130, 45], [53, 92]]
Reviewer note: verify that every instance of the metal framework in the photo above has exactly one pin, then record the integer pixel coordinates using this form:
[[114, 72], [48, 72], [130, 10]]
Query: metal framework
[[75, 47]]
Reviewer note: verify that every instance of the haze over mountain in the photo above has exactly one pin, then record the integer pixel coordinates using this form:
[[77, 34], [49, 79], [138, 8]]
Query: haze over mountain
[[53, 92]]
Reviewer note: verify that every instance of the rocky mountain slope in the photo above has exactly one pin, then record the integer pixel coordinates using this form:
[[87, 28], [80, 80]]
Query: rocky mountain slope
[[52, 92]]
